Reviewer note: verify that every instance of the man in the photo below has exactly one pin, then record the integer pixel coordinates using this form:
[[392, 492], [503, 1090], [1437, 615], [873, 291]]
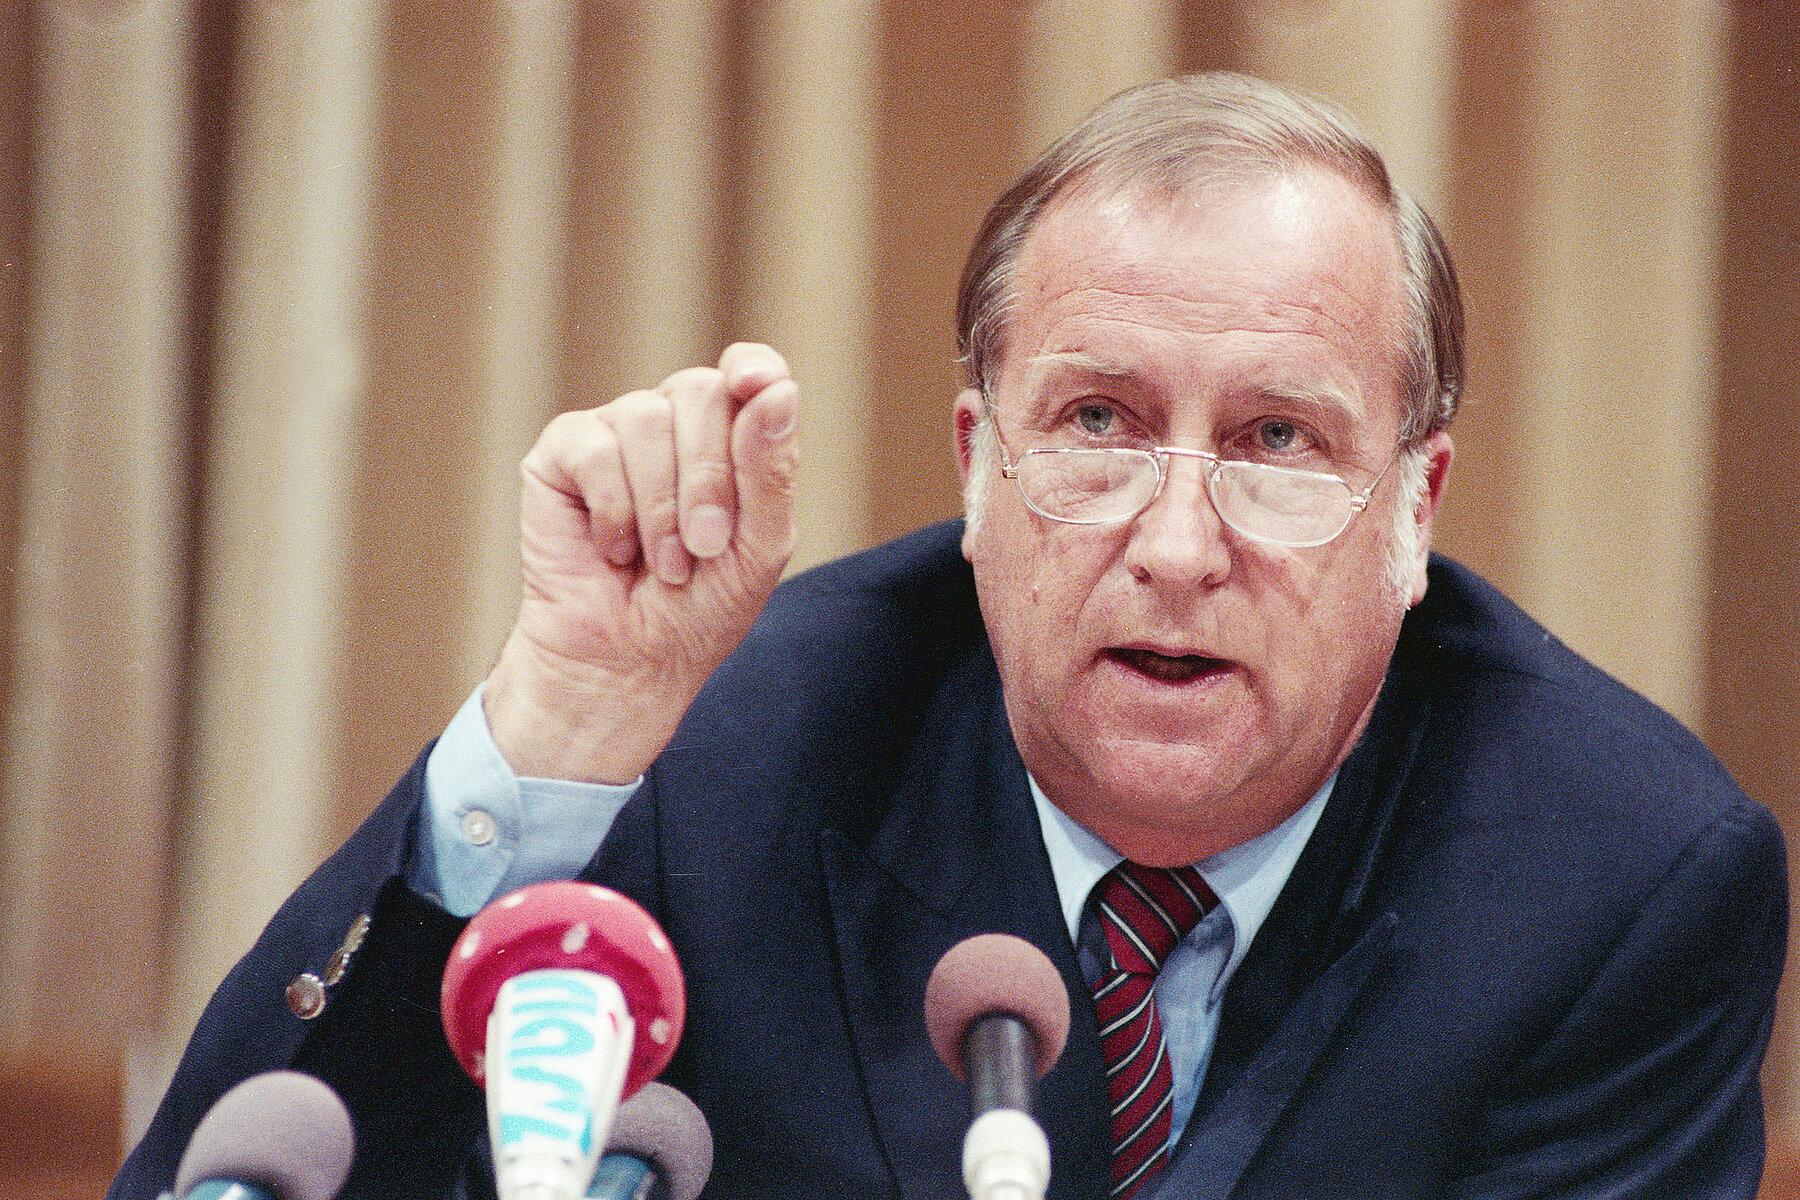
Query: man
[[1469, 919]]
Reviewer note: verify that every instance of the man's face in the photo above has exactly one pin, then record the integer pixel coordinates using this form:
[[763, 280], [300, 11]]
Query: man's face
[[1172, 684]]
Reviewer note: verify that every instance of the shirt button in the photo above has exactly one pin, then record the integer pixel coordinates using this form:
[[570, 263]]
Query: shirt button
[[478, 827], [306, 996]]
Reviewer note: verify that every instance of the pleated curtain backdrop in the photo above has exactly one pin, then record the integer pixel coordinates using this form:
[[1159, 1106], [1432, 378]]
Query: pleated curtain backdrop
[[289, 287]]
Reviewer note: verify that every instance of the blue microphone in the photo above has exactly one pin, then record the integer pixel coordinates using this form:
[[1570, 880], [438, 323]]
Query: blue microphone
[[659, 1147], [281, 1135]]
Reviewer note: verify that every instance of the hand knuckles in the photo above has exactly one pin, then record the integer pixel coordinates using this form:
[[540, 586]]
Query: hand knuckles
[[750, 349], [570, 441], [593, 447], [565, 428], [642, 416], [744, 358], [691, 381]]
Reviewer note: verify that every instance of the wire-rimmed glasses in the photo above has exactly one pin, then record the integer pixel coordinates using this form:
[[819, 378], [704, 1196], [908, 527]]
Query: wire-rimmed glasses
[[1103, 486]]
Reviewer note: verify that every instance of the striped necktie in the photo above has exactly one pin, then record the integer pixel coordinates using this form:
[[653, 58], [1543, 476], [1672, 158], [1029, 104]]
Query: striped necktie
[[1145, 912]]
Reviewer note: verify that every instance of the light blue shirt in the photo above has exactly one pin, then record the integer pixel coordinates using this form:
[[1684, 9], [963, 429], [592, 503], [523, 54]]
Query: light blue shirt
[[1190, 988], [491, 831]]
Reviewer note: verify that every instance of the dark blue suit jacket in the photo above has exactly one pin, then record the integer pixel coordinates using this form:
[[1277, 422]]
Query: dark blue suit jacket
[[1530, 950]]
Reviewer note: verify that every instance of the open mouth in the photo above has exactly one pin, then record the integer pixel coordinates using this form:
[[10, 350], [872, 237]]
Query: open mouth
[[1168, 668]]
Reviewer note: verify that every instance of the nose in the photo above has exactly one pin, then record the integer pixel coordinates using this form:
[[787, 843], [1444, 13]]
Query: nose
[[1179, 539]]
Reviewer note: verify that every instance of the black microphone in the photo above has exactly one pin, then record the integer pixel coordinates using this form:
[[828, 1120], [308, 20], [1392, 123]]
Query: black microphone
[[660, 1148], [998, 1015], [281, 1135]]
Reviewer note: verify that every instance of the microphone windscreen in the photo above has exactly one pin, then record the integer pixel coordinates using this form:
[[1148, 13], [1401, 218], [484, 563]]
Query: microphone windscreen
[[995, 973], [566, 925], [663, 1126], [281, 1130]]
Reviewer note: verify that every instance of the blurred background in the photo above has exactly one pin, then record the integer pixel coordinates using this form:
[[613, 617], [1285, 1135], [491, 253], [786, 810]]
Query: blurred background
[[287, 288]]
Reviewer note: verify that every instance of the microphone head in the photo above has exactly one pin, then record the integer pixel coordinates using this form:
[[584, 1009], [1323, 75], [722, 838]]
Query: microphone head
[[662, 1126], [566, 925], [995, 973], [281, 1130]]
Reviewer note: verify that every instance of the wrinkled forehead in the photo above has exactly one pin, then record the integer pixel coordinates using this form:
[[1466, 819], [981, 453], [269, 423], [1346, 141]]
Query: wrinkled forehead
[[1280, 243], [1230, 192]]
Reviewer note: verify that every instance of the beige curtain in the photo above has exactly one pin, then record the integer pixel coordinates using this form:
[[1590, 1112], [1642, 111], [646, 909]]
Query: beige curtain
[[291, 285]]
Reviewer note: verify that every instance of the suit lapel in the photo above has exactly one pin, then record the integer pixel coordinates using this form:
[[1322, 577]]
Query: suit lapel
[[1214, 1152], [957, 853], [1319, 949]]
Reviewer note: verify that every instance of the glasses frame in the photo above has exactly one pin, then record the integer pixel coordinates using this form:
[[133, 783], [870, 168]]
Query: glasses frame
[[1159, 455]]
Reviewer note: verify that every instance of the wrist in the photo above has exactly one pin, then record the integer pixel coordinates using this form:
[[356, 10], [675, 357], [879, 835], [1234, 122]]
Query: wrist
[[553, 719]]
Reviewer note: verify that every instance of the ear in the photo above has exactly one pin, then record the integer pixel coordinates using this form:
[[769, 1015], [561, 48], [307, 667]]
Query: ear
[[965, 420], [966, 415], [1439, 451]]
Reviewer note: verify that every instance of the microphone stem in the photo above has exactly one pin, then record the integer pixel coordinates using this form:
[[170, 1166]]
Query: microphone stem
[[623, 1177], [1002, 1054]]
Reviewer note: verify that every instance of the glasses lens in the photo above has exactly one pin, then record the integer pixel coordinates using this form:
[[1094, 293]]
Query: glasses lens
[[1087, 487], [1289, 508]]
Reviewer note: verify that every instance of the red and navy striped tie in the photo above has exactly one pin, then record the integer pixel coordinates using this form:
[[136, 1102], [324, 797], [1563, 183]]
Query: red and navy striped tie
[[1145, 911]]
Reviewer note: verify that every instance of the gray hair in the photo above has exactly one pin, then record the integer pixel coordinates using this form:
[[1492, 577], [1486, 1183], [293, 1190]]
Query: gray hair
[[1220, 128]]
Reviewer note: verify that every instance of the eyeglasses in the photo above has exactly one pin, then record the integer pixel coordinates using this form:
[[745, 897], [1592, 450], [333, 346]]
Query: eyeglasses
[[1278, 505]]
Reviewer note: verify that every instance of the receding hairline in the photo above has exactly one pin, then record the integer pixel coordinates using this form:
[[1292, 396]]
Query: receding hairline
[[1183, 135], [1100, 189]]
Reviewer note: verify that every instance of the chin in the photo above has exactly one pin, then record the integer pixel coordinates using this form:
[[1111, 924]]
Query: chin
[[1179, 802], [1153, 798], [1158, 838]]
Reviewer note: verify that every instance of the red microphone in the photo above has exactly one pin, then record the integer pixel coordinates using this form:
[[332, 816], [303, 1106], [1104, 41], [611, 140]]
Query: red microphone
[[562, 999]]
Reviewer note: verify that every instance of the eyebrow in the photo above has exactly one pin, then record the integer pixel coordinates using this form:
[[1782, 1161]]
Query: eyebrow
[[1321, 398], [1081, 360]]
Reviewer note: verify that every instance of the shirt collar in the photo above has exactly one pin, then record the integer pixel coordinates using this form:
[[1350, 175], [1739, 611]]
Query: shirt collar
[[1246, 878]]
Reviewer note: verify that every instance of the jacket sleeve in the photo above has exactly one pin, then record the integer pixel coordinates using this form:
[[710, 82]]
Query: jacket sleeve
[[1648, 1087], [370, 952]]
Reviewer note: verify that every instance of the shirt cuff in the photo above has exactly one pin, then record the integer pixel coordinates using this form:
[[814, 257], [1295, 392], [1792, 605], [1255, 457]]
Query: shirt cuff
[[492, 831]]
